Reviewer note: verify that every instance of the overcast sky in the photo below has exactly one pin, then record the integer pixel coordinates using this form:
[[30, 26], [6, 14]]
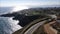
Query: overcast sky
[[28, 2]]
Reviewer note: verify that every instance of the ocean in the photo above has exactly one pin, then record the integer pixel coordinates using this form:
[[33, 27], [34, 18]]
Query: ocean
[[7, 24]]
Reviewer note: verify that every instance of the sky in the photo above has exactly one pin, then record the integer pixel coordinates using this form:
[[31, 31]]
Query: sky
[[28, 2]]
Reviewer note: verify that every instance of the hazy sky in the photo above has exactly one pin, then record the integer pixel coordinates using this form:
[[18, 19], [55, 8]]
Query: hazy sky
[[28, 2]]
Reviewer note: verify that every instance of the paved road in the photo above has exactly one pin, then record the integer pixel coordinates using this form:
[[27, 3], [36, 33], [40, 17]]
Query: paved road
[[34, 27], [31, 27]]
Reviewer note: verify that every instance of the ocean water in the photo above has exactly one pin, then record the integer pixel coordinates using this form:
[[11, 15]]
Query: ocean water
[[7, 24]]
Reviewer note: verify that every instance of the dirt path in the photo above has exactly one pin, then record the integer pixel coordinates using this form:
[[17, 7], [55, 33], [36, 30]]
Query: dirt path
[[49, 29]]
